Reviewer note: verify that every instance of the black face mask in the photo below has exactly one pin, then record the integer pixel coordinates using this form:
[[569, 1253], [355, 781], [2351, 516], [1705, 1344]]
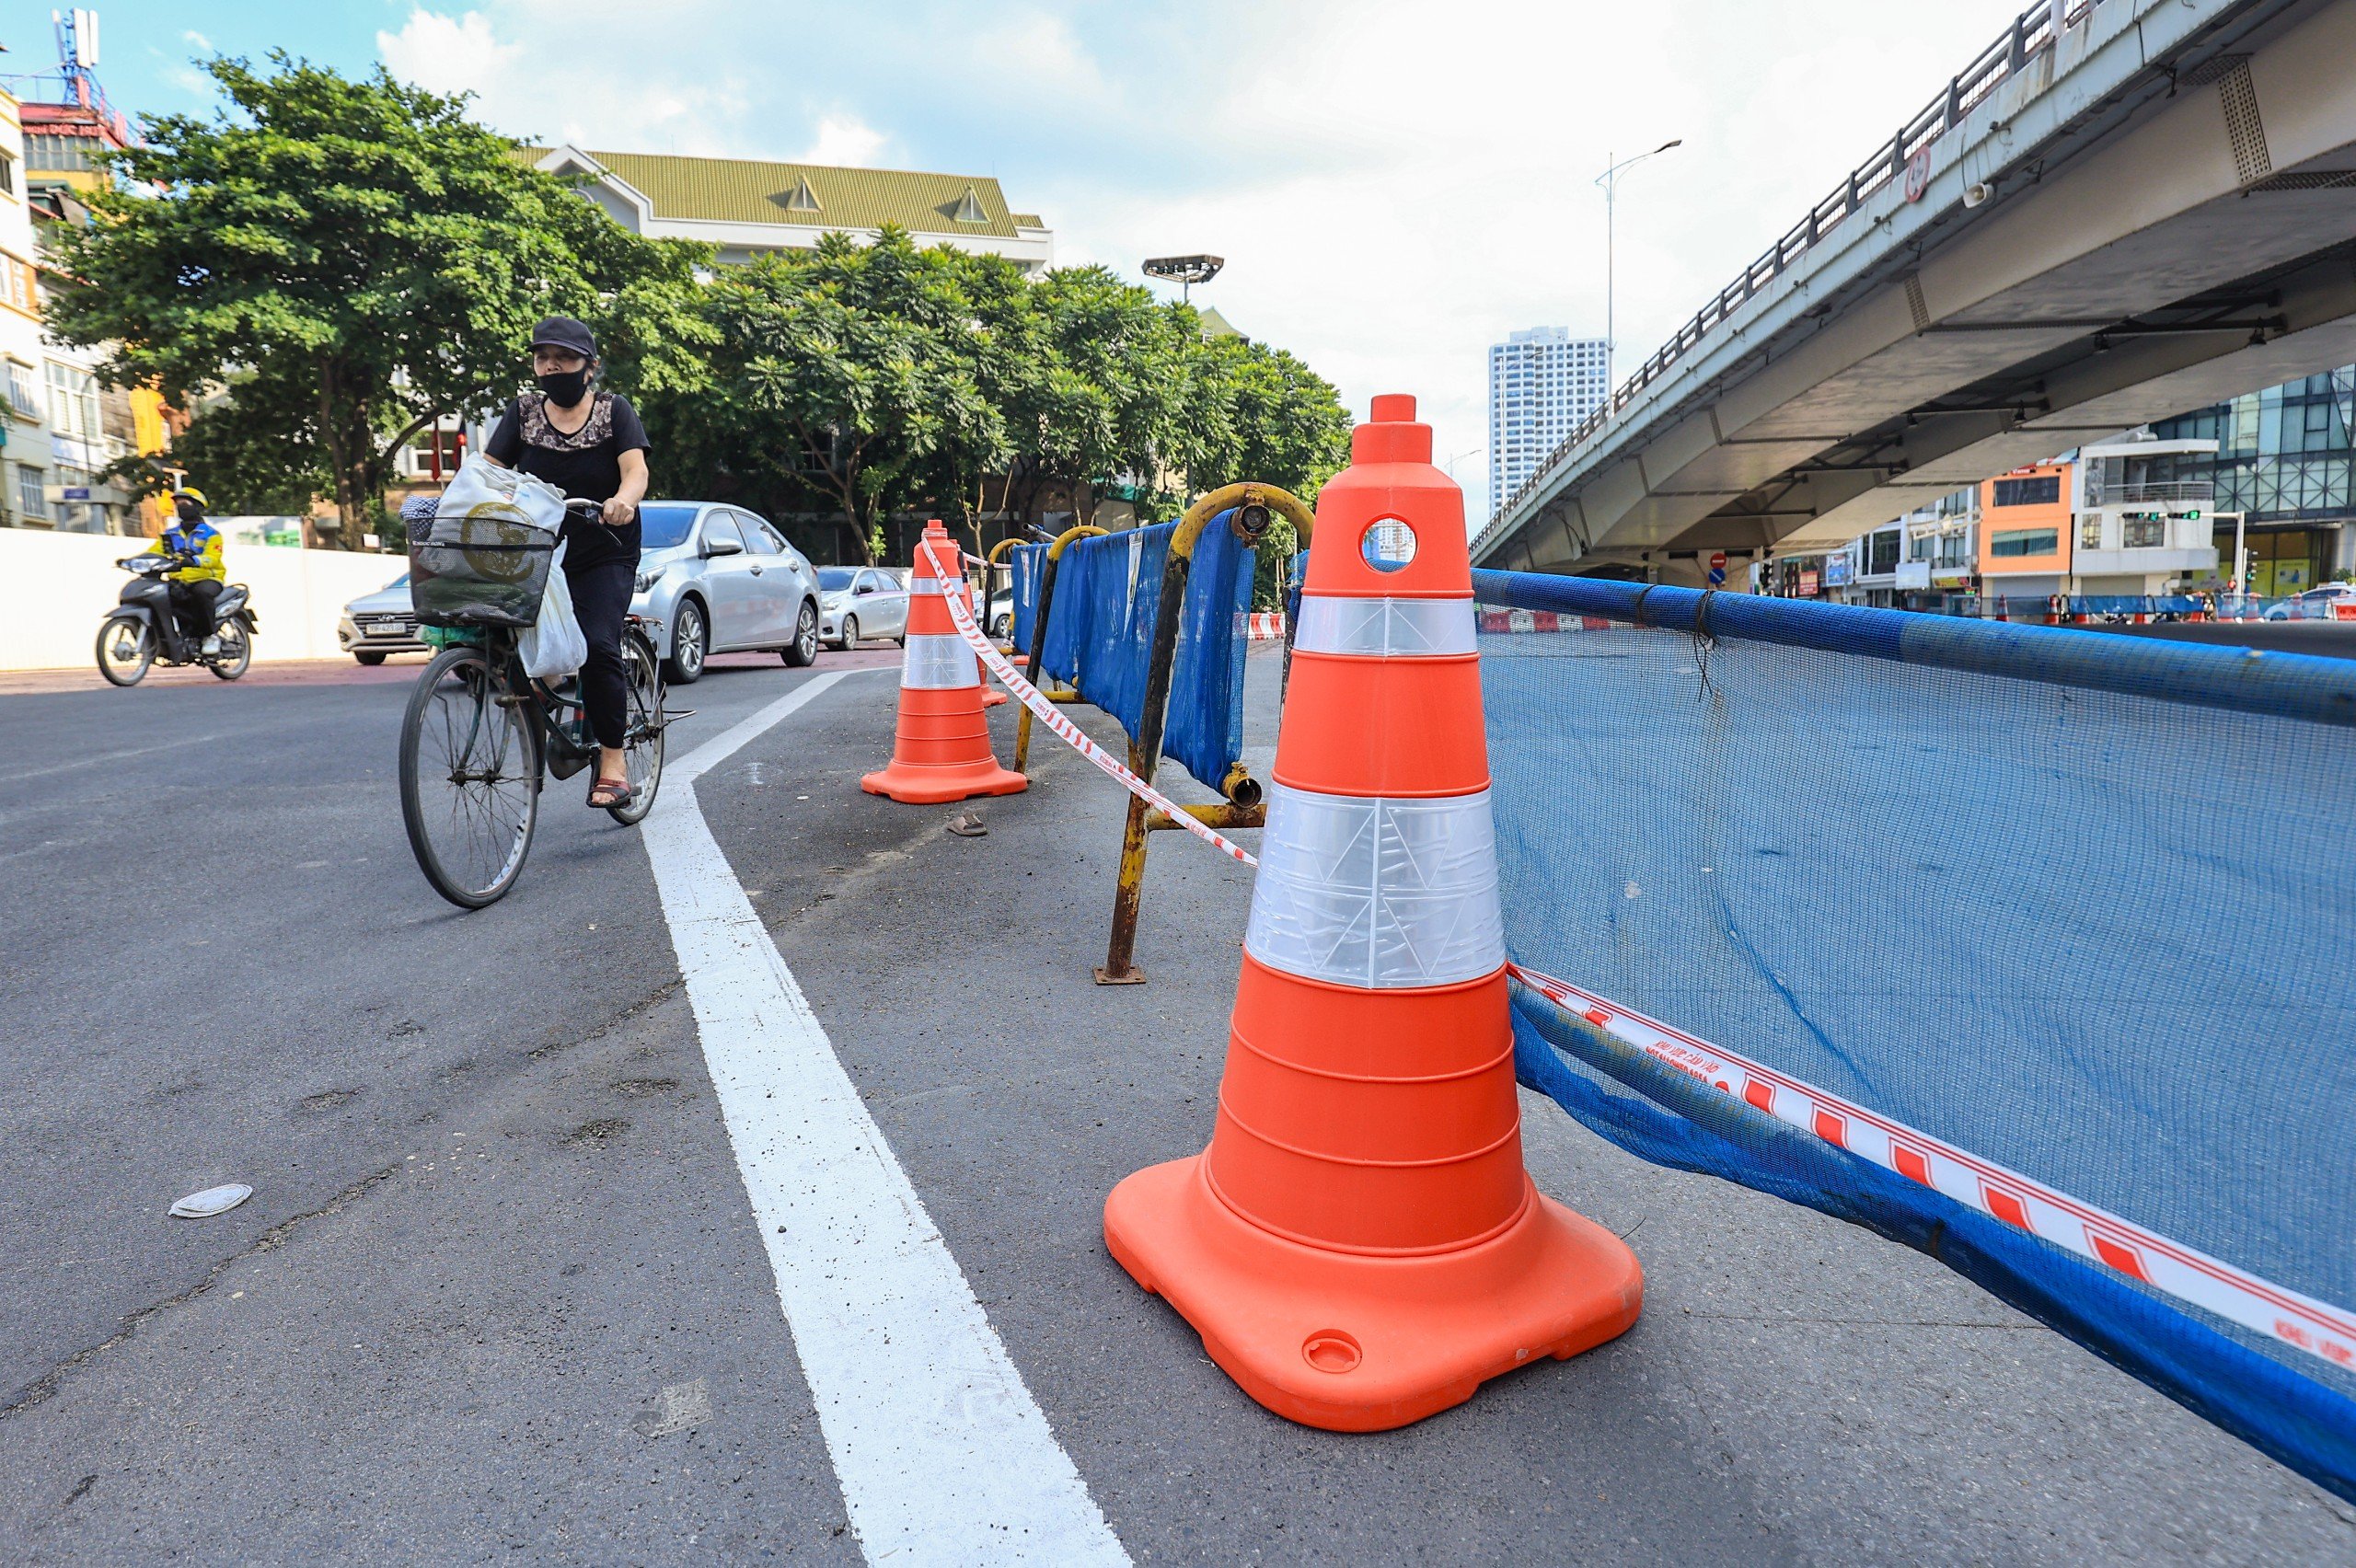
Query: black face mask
[[566, 387]]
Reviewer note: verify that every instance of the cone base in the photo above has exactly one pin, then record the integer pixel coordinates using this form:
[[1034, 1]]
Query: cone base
[[936, 785], [1353, 1342]]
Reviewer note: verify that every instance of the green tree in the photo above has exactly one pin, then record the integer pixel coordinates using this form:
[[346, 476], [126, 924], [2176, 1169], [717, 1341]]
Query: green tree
[[851, 372], [361, 259], [1105, 394], [1260, 413]]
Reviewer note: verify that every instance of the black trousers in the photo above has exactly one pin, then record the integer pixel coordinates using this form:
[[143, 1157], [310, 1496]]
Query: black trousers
[[192, 602], [601, 598]]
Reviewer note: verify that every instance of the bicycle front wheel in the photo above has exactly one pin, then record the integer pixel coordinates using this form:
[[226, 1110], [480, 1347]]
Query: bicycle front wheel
[[643, 743], [470, 778]]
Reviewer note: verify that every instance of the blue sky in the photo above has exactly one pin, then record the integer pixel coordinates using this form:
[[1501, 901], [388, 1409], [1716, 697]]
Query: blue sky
[[1395, 183]]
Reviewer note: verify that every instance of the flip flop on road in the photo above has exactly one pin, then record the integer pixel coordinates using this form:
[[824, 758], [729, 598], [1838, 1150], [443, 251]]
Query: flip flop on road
[[968, 825]]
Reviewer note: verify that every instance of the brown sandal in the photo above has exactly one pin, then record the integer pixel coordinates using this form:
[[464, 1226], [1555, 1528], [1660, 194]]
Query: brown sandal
[[617, 788]]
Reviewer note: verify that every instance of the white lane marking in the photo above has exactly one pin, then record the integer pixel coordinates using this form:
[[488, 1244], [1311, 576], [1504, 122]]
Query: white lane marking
[[941, 1453]]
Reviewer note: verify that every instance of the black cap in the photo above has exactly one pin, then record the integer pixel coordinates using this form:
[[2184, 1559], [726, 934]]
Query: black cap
[[564, 332]]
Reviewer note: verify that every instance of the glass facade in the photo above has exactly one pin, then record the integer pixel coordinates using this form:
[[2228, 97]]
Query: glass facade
[[2283, 461]]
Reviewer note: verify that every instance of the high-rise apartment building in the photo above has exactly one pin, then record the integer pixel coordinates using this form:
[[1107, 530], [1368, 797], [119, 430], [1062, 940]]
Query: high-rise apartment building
[[1541, 384]]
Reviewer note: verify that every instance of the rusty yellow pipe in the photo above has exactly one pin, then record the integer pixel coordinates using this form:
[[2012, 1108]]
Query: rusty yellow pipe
[[1145, 750]]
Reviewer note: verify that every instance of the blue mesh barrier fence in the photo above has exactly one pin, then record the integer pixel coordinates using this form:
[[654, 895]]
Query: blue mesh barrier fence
[[1028, 562], [2080, 905], [1100, 636]]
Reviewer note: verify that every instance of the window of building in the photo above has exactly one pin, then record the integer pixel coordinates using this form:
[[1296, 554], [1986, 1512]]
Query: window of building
[[8, 173], [17, 285], [23, 392], [72, 402], [1881, 553], [2042, 490], [62, 155], [2090, 531], [2024, 541], [2144, 530], [29, 501]]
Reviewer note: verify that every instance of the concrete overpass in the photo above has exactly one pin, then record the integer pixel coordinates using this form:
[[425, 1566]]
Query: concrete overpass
[[2114, 214]]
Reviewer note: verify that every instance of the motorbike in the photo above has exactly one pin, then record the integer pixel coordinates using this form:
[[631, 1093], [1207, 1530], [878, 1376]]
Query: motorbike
[[141, 628]]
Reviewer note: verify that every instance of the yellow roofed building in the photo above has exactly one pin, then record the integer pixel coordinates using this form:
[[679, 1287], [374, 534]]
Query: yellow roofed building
[[744, 207]]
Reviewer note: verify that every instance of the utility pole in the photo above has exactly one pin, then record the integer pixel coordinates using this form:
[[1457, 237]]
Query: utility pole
[[1610, 180]]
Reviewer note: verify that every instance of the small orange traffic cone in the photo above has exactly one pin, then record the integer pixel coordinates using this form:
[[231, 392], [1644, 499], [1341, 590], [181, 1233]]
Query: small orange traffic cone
[[1360, 1246], [940, 750]]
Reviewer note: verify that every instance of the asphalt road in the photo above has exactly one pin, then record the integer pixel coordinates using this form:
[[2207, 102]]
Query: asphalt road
[[2326, 640], [500, 1288]]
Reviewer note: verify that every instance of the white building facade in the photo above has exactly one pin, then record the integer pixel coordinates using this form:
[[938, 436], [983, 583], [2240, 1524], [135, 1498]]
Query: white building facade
[[1541, 384], [25, 468]]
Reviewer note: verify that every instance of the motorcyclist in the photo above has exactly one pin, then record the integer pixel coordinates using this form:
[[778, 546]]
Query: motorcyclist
[[197, 581]]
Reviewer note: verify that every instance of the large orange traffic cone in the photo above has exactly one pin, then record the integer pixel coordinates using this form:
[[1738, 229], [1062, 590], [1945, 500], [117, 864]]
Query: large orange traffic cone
[[1360, 1246], [940, 750]]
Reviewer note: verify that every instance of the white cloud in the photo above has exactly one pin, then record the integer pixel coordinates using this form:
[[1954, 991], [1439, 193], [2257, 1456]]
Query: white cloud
[[198, 42], [846, 143], [449, 54], [1393, 188]]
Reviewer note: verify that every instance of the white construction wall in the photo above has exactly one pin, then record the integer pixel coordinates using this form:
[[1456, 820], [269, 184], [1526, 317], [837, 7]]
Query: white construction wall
[[62, 584]]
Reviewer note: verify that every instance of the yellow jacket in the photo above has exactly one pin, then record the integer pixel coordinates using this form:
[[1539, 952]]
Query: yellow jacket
[[201, 540]]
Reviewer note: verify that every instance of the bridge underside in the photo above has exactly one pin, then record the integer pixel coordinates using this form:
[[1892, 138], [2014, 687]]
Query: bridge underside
[[2162, 269]]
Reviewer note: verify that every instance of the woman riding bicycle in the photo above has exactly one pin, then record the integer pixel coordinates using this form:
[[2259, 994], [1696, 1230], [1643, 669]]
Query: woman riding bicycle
[[589, 444]]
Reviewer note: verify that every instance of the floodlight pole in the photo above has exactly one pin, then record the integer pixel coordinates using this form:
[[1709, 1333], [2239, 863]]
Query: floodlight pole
[[1610, 180]]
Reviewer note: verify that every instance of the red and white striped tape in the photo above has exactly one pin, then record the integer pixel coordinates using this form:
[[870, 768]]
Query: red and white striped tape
[[1264, 626], [1070, 732], [1539, 620], [2096, 1234]]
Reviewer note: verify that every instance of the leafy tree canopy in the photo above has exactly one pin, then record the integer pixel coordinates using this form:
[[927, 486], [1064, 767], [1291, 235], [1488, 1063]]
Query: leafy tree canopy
[[361, 259]]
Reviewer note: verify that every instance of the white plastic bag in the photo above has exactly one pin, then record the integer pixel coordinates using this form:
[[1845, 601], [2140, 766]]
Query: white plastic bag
[[554, 644], [480, 483]]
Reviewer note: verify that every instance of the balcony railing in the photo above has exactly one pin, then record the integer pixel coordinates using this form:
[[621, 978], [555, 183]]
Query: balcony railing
[[2162, 492], [2031, 31]]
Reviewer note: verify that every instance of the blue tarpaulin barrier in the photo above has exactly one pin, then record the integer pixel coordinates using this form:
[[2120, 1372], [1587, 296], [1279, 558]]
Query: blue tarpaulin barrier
[[1028, 562], [1100, 635], [2081, 905]]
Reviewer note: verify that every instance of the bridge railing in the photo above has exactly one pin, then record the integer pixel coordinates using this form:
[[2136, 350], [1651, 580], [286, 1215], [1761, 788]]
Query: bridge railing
[[2032, 31]]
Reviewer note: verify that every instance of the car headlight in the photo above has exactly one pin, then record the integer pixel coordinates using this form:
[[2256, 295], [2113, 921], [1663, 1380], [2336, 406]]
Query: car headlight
[[648, 578]]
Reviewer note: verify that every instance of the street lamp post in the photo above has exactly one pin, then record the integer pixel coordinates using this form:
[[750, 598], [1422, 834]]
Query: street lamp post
[[1610, 180]]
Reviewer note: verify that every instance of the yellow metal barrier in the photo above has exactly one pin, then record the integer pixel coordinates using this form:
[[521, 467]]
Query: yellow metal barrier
[[1251, 503]]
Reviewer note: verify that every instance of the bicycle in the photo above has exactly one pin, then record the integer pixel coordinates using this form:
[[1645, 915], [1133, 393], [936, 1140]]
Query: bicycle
[[479, 736]]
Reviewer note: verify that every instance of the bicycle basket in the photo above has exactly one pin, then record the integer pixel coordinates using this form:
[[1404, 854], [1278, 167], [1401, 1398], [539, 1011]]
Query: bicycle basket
[[486, 565]]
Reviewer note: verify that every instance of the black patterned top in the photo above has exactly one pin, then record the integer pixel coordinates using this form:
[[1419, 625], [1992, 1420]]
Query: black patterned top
[[586, 463]]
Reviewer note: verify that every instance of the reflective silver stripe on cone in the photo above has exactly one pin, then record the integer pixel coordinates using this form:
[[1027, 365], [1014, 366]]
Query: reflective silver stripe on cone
[[1378, 893], [1379, 628], [938, 662], [932, 585]]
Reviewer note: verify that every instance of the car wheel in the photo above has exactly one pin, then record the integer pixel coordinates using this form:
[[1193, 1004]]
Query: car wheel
[[1003, 628], [371, 660], [849, 638], [803, 649], [691, 642]]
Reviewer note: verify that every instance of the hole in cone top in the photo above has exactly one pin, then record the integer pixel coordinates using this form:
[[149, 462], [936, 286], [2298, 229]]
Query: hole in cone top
[[1330, 1350], [1388, 543]]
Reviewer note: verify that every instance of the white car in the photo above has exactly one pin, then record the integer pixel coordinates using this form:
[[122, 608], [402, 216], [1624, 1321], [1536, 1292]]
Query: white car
[[719, 580], [2316, 604], [380, 623], [856, 602]]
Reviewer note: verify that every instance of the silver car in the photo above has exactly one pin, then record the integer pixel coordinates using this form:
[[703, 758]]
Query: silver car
[[380, 623], [722, 581], [855, 601]]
